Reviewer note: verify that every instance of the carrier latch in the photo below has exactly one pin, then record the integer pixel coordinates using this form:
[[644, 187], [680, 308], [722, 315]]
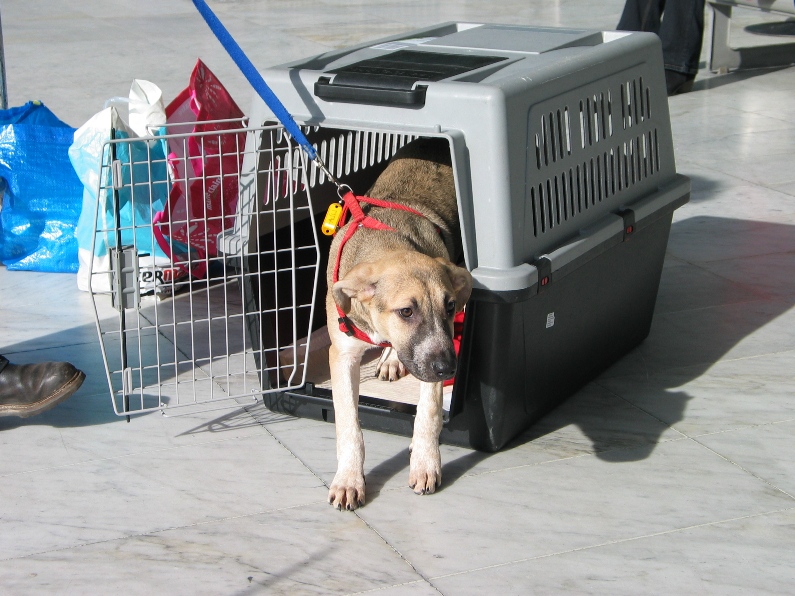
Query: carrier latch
[[544, 267], [628, 215]]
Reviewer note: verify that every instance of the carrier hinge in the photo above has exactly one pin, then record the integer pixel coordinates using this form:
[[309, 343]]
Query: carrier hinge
[[125, 291]]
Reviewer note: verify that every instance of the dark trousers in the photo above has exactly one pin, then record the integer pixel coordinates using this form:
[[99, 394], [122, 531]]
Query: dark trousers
[[680, 28]]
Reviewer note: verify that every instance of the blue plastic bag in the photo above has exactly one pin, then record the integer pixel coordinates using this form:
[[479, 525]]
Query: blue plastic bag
[[41, 195]]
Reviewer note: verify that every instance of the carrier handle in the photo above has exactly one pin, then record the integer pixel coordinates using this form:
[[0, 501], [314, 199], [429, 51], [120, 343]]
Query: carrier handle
[[333, 91]]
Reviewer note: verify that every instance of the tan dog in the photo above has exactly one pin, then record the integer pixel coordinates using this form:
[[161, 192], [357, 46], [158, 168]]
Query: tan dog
[[399, 286]]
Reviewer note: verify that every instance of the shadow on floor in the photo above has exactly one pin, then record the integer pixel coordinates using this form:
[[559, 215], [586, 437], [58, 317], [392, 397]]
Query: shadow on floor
[[703, 188], [755, 291]]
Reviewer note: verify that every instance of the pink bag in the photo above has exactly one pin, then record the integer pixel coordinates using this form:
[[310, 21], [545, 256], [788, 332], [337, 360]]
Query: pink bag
[[205, 169]]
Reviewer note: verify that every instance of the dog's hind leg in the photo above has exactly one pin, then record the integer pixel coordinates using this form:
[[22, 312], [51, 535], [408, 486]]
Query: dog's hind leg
[[389, 367], [425, 470], [347, 488]]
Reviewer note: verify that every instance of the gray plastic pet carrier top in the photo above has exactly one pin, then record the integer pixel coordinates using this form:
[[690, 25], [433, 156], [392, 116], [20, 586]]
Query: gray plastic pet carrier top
[[566, 183]]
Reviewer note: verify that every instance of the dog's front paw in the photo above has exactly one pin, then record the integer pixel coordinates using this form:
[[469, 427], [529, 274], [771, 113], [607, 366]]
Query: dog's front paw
[[347, 491], [389, 367], [425, 471]]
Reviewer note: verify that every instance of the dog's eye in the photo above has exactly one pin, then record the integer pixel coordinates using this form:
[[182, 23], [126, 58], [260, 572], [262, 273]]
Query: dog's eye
[[406, 313], [451, 308]]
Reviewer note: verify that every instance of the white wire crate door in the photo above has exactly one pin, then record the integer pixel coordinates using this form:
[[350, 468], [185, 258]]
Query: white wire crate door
[[204, 267]]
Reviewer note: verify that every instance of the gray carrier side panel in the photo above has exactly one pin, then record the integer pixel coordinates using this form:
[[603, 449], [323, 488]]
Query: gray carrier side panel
[[556, 137]]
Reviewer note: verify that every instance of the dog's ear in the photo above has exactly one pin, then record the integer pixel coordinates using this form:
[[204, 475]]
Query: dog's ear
[[462, 283], [359, 283]]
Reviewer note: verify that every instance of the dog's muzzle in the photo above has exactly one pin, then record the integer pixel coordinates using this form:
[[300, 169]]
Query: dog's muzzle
[[444, 368], [433, 368]]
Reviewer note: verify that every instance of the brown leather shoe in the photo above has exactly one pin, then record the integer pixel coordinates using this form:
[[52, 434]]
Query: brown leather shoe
[[30, 389]]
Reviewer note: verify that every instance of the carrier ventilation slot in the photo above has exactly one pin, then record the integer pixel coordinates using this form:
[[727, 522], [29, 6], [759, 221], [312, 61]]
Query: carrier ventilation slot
[[553, 143], [343, 154], [606, 118], [635, 102], [597, 114], [581, 186]]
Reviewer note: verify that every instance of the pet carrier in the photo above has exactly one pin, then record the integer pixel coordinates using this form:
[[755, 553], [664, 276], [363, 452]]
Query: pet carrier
[[566, 183]]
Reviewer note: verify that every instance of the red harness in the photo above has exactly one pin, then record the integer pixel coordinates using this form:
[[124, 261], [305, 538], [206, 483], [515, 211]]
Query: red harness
[[358, 220]]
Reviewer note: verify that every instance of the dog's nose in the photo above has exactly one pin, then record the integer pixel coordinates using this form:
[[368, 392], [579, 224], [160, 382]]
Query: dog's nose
[[444, 369]]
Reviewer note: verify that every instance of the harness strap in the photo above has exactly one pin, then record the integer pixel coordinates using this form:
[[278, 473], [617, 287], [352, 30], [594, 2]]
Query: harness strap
[[360, 219]]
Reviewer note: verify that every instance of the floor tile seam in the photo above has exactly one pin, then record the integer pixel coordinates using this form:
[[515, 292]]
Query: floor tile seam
[[126, 455], [54, 346], [685, 435], [780, 218], [323, 482], [382, 588], [677, 369], [740, 428], [522, 466], [135, 469], [400, 585], [744, 469], [702, 195], [222, 520], [739, 111], [286, 448], [616, 542], [755, 113], [728, 138], [648, 413], [691, 161], [713, 307], [670, 257], [397, 552], [555, 461], [738, 359], [747, 181], [703, 264]]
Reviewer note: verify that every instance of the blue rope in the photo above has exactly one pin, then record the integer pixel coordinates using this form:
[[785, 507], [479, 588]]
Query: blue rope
[[253, 77]]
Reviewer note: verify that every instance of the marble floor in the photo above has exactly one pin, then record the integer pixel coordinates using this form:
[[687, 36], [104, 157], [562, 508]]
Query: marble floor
[[673, 472]]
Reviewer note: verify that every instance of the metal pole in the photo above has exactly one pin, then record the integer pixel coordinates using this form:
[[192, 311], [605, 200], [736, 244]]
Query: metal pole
[[3, 89]]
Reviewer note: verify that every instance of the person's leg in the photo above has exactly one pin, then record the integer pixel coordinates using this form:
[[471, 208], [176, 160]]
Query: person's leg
[[682, 34], [29, 389], [641, 15]]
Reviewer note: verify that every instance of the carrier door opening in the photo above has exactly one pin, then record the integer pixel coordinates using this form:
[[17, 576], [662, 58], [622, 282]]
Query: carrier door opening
[[356, 158]]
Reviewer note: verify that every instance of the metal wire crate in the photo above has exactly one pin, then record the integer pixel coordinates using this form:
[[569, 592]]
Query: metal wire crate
[[171, 339], [182, 340]]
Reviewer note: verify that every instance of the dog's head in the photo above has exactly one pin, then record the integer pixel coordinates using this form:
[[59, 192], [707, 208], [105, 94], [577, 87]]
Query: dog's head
[[410, 299]]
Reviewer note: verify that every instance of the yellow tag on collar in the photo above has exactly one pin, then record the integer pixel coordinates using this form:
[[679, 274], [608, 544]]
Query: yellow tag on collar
[[332, 219]]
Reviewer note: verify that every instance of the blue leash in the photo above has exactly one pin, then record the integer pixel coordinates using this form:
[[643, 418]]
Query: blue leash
[[259, 84]]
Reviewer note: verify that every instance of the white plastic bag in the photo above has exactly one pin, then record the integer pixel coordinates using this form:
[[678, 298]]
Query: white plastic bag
[[97, 219], [146, 108]]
